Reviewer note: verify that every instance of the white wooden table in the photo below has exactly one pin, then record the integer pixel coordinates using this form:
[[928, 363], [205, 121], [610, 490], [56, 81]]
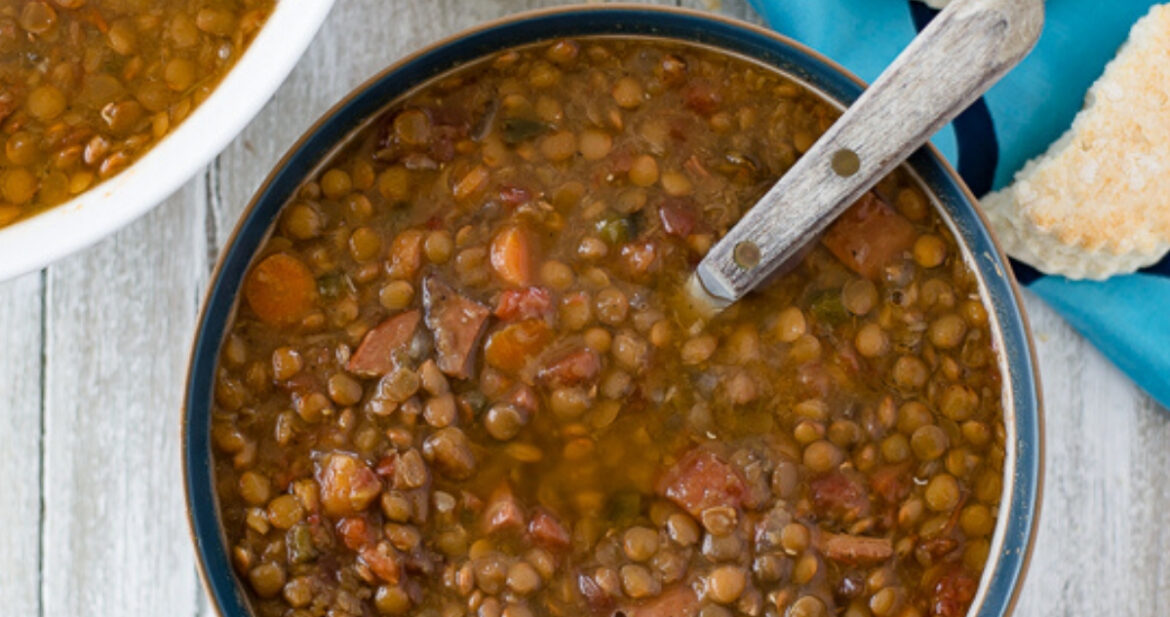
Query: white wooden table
[[93, 352]]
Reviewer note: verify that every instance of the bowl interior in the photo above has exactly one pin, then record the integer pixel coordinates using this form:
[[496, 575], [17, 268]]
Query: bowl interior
[[58, 231], [1015, 528]]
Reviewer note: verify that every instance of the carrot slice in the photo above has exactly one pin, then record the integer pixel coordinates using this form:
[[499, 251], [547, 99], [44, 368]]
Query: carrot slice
[[511, 255], [280, 290], [512, 347]]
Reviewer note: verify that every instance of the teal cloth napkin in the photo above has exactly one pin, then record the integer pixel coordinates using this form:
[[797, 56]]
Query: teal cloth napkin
[[1126, 317]]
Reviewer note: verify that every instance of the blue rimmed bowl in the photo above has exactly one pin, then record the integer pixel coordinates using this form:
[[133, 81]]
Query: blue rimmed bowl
[[1020, 503]]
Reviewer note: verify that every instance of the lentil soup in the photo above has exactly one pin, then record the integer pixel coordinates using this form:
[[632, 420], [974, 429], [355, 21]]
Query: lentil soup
[[88, 86], [460, 380]]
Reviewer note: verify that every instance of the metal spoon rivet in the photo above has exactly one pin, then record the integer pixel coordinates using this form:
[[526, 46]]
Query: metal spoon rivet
[[846, 162], [747, 255]]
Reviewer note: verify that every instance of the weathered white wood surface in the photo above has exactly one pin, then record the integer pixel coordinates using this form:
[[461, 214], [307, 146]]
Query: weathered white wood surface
[[21, 344], [93, 353]]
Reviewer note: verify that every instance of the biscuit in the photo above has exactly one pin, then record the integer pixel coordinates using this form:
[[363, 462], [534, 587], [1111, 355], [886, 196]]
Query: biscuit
[[1097, 203]]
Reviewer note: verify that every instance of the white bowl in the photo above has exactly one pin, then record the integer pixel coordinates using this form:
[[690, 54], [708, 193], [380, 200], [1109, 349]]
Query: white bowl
[[98, 212]]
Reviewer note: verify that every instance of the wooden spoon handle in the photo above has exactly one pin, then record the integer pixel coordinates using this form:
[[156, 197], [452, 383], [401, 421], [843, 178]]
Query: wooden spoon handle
[[964, 50]]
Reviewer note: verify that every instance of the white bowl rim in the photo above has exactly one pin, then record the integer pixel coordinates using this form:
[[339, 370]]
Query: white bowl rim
[[34, 242]]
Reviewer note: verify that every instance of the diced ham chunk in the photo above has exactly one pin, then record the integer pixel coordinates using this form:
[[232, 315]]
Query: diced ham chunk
[[527, 303], [840, 495], [679, 601], [503, 512], [375, 356], [869, 236], [382, 560], [856, 550], [702, 480], [570, 369], [457, 324], [348, 485], [547, 530]]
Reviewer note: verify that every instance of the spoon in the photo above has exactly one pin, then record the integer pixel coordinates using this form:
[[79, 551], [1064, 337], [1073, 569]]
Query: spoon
[[958, 56]]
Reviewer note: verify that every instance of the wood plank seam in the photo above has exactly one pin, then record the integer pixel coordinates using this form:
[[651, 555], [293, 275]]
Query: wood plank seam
[[42, 452], [213, 203]]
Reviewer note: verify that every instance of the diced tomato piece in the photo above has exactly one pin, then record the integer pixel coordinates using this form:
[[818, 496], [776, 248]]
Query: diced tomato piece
[[953, 593], [840, 495], [640, 257], [348, 485], [7, 100], [375, 355], [356, 532], [869, 236], [598, 600], [938, 547], [678, 217], [303, 384], [695, 166], [570, 369], [514, 195], [512, 347], [524, 398], [443, 144], [456, 322], [511, 255], [702, 96], [679, 601], [620, 160], [547, 530], [503, 512], [891, 482], [280, 290], [815, 378], [700, 480], [527, 303], [386, 465], [382, 560]]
